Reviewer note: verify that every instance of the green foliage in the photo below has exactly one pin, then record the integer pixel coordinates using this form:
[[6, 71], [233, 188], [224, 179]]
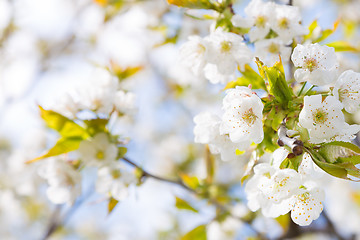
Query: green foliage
[[182, 204], [210, 166], [324, 33], [63, 145], [124, 73], [327, 32], [121, 152], [275, 76], [337, 159], [71, 133], [284, 221], [95, 126], [249, 76], [292, 163], [190, 181], [194, 4], [64, 126], [198, 233], [112, 204], [343, 46]]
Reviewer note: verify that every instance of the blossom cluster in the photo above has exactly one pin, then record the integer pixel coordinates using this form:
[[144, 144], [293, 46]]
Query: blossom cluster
[[277, 191], [275, 188], [101, 101]]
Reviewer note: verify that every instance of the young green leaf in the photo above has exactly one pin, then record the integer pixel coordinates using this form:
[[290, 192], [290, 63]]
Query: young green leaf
[[198, 233], [343, 46], [63, 125], [278, 86], [112, 204], [194, 4], [182, 204], [190, 181], [63, 145]]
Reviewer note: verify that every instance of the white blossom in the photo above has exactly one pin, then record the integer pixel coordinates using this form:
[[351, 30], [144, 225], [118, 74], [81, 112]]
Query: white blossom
[[193, 54], [271, 190], [259, 14], [99, 95], [98, 151], [268, 51], [278, 191], [212, 74], [125, 102], [323, 118], [64, 181], [227, 50], [317, 64], [307, 206], [206, 128], [206, 131], [286, 22], [114, 180], [347, 90], [242, 119]]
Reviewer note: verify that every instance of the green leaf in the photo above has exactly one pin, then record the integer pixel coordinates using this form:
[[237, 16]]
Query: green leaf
[[332, 169], [327, 32], [311, 28], [194, 4], [121, 152], [278, 86], [112, 204], [335, 167], [198, 233], [277, 119], [190, 181], [210, 166], [63, 125], [124, 73], [249, 76], [343, 46], [350, 27], [182, 204], [63, 145], [338, 151], [284, 221], [97, 125]]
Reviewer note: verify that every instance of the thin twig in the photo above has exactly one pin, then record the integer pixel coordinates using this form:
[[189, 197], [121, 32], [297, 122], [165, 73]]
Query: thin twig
[[178, 182], [295, 144], [57, 222], [181, 184]]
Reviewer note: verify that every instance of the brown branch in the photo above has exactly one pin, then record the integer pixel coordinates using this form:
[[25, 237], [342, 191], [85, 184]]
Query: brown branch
[[294, 144], [178, 182], [181, 184]]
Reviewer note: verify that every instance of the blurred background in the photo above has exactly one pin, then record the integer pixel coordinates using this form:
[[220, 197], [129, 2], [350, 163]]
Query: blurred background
[[50, 48]]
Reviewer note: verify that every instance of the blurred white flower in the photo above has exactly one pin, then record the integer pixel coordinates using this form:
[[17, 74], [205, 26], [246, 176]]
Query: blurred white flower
[[125, 102], [260, 15], [227, 51], [317, 64], [98, 151], [207, 131], [206, 127], [100, 93], [286, 23], [268, 51], [193, 54], [114, 180], [64, 181]]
